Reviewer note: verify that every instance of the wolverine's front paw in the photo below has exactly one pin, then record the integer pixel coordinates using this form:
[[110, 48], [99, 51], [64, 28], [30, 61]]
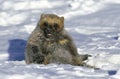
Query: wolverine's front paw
[[39, 59], [34, 49]]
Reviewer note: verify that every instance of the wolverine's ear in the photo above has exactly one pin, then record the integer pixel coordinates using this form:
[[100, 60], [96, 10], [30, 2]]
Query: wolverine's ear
[[42, 15], [62, 23], [62, 18]]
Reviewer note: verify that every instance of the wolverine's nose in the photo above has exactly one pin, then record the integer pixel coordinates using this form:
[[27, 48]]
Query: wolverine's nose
[[47, 30]]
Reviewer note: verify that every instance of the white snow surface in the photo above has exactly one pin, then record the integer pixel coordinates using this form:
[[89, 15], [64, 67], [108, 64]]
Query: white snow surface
[[93, 24]]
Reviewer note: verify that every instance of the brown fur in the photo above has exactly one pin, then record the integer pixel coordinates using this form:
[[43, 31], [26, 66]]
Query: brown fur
[[50, 43]]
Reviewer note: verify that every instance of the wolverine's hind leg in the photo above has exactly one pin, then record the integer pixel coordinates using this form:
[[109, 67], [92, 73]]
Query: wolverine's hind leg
[[79, 60]]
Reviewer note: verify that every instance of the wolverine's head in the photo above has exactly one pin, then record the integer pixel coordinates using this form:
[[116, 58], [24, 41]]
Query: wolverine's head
[[51, 24]]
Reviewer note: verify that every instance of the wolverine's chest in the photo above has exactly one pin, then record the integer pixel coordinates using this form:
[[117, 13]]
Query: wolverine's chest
[[58, 50], [49, 46]]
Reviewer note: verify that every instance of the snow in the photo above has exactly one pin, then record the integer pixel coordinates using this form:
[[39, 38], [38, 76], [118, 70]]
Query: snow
[[93, 24]]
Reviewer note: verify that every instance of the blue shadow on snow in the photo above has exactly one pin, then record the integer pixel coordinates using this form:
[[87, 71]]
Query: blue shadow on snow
[[112, 72], [16, 49]]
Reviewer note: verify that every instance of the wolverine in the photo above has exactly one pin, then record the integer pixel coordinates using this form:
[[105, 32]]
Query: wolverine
[[50, 43]]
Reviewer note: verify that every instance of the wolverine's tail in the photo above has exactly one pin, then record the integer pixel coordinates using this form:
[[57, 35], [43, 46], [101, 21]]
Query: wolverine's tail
[[84, 57]]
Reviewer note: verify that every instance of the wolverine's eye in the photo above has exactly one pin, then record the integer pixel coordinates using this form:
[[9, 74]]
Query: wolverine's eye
[[45, 23], [55, 26]]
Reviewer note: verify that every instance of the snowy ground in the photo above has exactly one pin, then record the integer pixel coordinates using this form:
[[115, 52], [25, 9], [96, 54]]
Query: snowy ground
[[93, 24]]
